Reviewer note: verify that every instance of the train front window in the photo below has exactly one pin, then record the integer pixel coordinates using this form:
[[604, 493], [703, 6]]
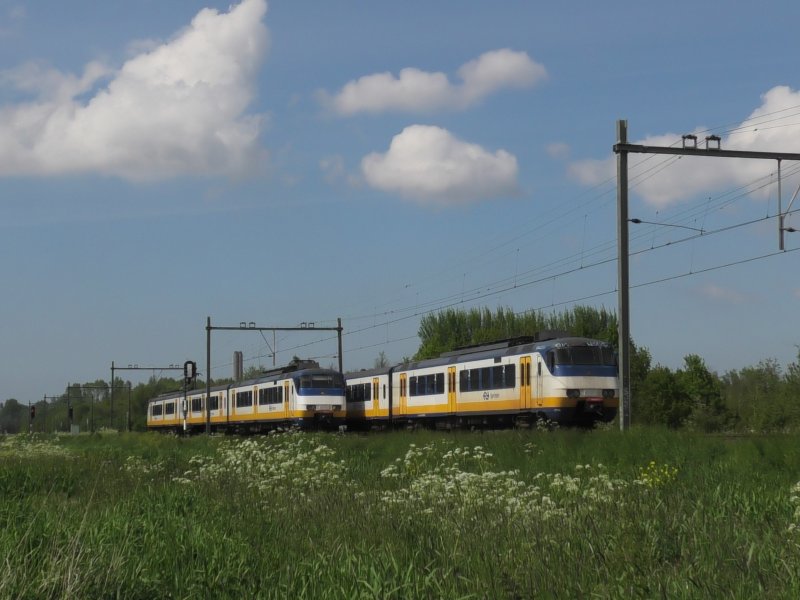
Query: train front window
[[321, 382], [585, 356]]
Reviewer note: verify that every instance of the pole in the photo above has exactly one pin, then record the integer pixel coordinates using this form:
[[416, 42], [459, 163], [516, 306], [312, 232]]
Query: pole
[[780, 211], [623, 279], [129, 407], [208, 375], [69, 406], [112, 394], [339, 334]]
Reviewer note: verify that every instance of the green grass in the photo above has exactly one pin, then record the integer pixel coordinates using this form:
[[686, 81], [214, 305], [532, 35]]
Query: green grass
[[509, 514]]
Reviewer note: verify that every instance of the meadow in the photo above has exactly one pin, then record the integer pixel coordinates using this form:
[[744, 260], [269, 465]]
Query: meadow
[[507, 514]]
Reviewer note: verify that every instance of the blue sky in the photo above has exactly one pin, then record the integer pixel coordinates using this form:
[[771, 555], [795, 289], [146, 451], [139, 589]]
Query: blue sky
[[161, 162]]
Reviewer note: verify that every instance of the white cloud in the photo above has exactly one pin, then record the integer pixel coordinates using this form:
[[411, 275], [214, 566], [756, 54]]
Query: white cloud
[[176, 109], [332, 168], [726, 295], [689, 177], [415, 90], [558, 150], [334, 172], [429, 164]]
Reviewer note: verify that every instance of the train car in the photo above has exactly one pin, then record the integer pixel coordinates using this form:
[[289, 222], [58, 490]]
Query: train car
[[298, 395], [368, 397], [552, 377]]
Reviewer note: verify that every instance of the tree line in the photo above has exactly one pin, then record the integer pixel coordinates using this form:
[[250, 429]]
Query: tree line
[[762, 397]]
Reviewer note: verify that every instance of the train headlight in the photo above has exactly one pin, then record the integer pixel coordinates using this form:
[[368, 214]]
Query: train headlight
[[608, 393], [572, 393]]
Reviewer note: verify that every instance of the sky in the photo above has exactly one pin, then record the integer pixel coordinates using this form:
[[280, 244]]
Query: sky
[[282, 162]]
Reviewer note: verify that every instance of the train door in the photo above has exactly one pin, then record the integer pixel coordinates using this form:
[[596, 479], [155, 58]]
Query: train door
[[451, 389], [376, 396], [538, 381], [525, 382], [403, 391], [286, 400]]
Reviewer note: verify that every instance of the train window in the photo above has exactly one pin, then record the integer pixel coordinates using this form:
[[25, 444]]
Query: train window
[[197, 404], [510, 376], [273, 395], [361, 392], [384, 391], [424, 385], [583, 355], [498, 377], [486, 378], [157, 410], [170, 408], [214, 403], [609, 357], [463, 381], [244, 399], [320, 381]]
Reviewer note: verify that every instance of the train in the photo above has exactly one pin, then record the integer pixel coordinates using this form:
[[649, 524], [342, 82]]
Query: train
[[550, 377], [300, 394]]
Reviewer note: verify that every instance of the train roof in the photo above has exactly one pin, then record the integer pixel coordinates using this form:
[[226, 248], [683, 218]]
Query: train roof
[[293, 369], [508, 347], [369, 372], [541, 342]]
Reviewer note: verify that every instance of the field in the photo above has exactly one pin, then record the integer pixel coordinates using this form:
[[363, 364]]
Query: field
[[511, 514]]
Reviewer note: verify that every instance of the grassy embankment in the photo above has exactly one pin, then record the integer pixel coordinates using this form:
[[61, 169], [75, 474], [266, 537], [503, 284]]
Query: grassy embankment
[[407, 515]]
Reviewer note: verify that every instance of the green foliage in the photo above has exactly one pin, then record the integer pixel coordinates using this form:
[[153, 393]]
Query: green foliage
[[451, 329], [705, 394], [661, 399], [401, 515], [12, 414], [763, 397], [381, 361]]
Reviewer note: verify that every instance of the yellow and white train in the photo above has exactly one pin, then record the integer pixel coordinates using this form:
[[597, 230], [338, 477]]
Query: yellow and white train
[[298, 395], [557, 378]]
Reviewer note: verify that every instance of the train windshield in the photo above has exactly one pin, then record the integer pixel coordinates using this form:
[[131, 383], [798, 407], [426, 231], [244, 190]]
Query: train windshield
[[585, 356], [321, 382]]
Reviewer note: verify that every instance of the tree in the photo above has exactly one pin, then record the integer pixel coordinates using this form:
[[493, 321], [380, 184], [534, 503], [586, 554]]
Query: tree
[[381, 361], [661, 399], [760, 397], [641, 361], [704, 391], [253, 372], [450, 329], [11, 416]]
